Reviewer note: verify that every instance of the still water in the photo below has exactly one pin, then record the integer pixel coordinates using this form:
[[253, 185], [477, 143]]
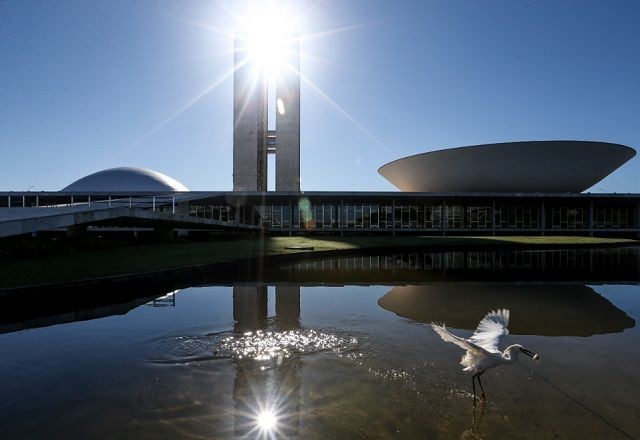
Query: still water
[[333, 348]]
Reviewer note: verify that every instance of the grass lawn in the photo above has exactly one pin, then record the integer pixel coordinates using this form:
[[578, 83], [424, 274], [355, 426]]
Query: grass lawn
[[86, 264]]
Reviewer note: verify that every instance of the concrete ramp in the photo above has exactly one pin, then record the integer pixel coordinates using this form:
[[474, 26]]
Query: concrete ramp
[[18, 221]]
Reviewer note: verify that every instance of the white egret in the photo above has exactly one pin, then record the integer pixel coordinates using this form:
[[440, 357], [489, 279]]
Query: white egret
[[482, 348]]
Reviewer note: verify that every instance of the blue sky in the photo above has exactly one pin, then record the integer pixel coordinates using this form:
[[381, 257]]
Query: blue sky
[[91, 85]]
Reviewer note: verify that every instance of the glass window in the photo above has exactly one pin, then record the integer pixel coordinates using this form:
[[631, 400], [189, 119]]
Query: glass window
[[405, 210], [454, 217], [413, 216], [613, 218], [366, 216], [374, 216], [351, 209], [358, 216], [276, 222], [295, 223]]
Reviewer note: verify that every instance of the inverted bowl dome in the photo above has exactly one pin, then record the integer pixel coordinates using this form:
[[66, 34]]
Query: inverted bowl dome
[[538, 166], [550, 309], [126, 179]]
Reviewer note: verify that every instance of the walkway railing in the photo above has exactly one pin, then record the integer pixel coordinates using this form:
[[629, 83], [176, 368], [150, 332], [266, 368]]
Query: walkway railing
[[146, 201]]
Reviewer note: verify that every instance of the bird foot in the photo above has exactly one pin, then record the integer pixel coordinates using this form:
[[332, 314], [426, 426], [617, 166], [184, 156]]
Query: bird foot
[[483, 398]]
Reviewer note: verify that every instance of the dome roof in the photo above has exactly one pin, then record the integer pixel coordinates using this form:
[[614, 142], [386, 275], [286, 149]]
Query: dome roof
[[537, 166], [126, 179], [586, 314]]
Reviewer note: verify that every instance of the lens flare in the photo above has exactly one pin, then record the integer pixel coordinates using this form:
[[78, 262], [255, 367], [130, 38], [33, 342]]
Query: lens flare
[[267, 420]]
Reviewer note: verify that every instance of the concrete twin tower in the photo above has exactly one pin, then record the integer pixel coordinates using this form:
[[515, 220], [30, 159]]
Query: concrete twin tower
[[252, 139]]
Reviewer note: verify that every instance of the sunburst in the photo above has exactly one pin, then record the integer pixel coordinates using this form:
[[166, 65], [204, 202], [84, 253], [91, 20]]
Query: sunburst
[[265, 31]]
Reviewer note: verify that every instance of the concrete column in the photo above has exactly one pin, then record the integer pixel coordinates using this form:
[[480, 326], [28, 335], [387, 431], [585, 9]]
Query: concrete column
[[590, 218], [288, 120], [249, 123], [542, 218]]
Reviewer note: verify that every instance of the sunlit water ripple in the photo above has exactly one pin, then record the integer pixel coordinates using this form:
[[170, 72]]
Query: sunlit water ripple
[[259, 345]]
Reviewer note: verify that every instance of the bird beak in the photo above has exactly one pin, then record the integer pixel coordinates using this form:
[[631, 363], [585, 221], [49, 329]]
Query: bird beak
[[532, 355]]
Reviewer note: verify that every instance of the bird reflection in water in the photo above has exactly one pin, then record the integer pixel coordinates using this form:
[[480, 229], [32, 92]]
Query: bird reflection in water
[[474, 432], [266, 389]]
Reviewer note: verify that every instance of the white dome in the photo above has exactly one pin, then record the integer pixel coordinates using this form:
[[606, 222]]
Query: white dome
[[126, 179]]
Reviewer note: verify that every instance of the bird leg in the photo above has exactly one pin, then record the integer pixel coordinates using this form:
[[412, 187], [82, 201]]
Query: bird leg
[[482, 396], [473, 384]]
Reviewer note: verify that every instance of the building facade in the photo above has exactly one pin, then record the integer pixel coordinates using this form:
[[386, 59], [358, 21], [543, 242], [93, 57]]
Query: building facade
[[428, 213]]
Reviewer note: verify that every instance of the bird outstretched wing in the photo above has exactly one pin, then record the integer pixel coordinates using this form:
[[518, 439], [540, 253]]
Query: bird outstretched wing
[[447, 336], [490, 329]]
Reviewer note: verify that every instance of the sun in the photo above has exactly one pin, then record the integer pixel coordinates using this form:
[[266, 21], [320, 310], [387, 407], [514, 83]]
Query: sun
[[267, 34], [267, 37]]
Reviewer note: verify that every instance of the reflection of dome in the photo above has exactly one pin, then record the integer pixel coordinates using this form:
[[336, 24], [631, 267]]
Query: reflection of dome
[[126, 179], [539, 166], [536, 309]]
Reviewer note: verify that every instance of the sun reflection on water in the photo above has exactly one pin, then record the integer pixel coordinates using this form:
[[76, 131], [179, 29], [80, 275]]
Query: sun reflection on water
[[266, 345], [267, 420]]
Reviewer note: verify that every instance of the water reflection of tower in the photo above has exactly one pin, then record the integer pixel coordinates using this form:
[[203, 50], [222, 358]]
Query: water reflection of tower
[[266, 385], [249, 307]]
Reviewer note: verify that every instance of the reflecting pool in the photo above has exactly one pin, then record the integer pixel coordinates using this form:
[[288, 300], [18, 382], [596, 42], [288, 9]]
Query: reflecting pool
[[336, 347]]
